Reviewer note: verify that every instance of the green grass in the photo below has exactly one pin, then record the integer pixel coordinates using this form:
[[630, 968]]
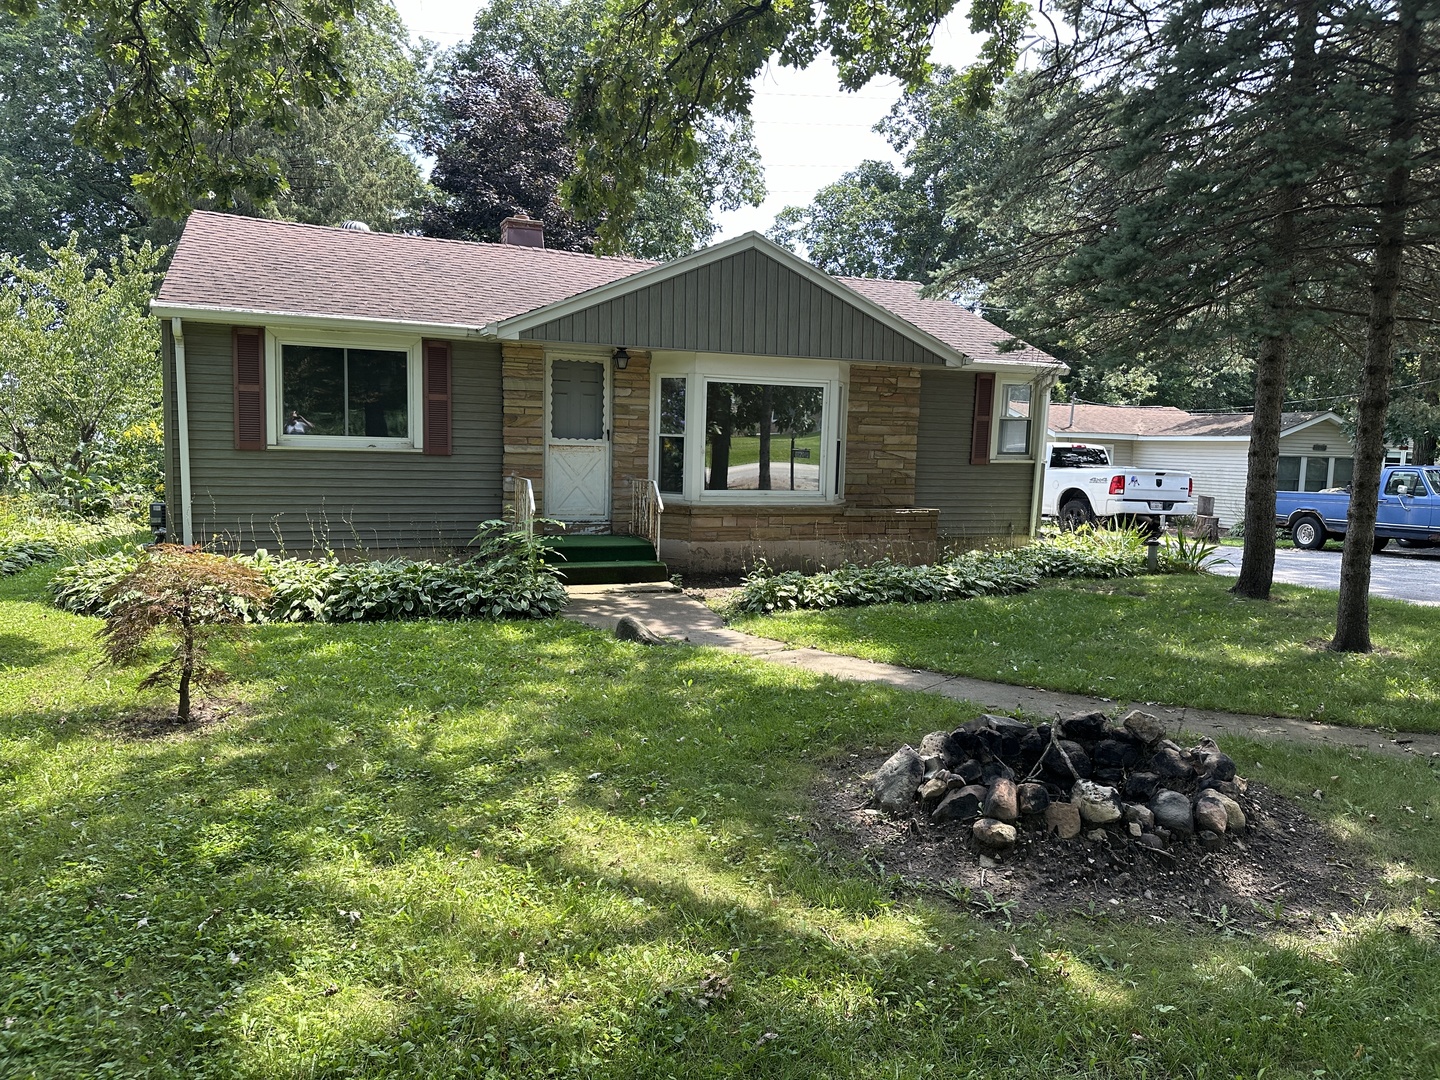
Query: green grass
[[479, 850], [1175, 640]]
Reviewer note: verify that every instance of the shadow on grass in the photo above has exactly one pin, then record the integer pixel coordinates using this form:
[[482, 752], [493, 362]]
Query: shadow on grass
[[465, 849]]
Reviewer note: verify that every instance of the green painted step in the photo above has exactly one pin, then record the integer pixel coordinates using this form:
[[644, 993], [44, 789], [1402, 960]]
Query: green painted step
[[623, 572], [569, 550]]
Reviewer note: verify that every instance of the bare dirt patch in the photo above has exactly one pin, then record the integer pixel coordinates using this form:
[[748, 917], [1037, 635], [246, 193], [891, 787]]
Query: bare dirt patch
[[159, 721], [1287, 870]]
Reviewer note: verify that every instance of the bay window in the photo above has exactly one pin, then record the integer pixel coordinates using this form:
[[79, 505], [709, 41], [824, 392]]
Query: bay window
[[738, 430]]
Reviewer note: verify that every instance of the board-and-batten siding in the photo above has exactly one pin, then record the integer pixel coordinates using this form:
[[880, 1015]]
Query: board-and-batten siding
[[345, 499], [747, 304], [973, 500]]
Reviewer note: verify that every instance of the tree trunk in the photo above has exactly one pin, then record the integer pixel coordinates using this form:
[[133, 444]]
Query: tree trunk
[[1352, 620], [767, 412], [1424, 445], [187, 663], [1257, 561]]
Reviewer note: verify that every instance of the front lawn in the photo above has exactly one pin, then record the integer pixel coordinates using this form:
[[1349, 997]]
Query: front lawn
[[506, 850], [1174, 640]]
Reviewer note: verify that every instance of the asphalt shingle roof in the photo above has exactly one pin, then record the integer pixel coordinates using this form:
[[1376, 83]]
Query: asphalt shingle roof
[[958, 327], [228, 262], [278, 267], [1082, 418]]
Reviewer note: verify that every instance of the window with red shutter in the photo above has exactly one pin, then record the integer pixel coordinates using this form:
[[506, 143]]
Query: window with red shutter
[[984, 417], [437, 393], [247, 347]]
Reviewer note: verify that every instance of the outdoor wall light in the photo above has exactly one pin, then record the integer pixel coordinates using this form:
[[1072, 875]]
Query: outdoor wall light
[[621, 358]]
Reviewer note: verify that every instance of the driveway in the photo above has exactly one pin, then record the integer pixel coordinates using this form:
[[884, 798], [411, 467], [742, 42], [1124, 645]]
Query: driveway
[[1399, 573]]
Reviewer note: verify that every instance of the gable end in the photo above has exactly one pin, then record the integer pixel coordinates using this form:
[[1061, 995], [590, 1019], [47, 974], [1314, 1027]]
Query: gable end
[[746, 303]]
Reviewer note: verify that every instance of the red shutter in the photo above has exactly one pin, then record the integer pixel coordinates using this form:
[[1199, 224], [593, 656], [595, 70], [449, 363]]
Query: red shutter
[[437, 397], [984, 416], [249, 368]]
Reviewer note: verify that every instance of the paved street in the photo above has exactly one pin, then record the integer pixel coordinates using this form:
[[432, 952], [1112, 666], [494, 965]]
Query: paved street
[[1398, 573]]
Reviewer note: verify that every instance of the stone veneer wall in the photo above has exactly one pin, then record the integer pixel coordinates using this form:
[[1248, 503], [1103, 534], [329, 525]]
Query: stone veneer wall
[[523, 432], [882, 435], [731, 537], [877, 520], [630, 435]]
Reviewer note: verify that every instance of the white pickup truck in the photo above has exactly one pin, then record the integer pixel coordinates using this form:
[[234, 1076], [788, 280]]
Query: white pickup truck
[[1083, 488]]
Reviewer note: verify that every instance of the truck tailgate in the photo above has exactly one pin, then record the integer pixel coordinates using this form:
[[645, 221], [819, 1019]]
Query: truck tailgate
[[1157, 487]]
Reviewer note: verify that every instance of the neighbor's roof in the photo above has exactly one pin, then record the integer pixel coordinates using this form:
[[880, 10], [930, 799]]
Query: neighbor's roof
[[251, 266], [1082, 418]]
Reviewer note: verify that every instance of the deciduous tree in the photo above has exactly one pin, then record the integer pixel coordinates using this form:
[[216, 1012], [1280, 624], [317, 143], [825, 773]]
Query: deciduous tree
[[671, 212], [658, 70], [188, 595], [185, 74], [79, 358]]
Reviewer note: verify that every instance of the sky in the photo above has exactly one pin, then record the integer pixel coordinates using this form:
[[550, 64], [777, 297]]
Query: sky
[[809, 131]]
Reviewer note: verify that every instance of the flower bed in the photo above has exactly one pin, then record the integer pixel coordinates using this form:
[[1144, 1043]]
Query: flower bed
[[1080, 554]]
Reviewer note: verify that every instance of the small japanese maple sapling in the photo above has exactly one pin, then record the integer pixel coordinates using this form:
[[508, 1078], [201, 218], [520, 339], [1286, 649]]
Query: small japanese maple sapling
[[197, 597]]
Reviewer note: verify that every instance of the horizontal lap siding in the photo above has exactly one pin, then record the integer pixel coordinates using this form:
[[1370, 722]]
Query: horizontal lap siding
[[973, 500], [1218, 469], [747, 304], [1327, 433], [341, 499]]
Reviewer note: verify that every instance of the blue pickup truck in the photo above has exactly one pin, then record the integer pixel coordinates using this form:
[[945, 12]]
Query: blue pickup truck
[[1409, 510]]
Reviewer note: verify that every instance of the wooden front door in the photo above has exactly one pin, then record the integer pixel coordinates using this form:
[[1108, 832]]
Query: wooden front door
[[577, 443]]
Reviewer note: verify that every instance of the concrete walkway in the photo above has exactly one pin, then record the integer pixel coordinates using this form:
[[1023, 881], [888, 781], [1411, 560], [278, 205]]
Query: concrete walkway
[[670, 613]]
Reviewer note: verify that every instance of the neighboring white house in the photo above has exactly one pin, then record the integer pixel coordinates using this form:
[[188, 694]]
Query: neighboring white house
[[1315, 451]]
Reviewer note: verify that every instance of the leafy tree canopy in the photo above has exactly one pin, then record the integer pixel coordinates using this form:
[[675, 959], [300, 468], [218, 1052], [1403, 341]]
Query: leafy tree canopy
[[659, 69], [185, 74], [669, 213], [78, 366], [50, 186], [350, 158], [501, 149], [880, 221], [345, 159]]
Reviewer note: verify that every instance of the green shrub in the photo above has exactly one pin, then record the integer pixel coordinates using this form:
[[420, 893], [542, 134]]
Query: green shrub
[[507, 585], [31, 534], [21, 553], [1180, 554], [1082, 553], [86, 587]]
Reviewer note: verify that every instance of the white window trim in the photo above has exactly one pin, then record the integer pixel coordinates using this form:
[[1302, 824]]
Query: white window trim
[[700, 369], [997, 413], [276, 439]]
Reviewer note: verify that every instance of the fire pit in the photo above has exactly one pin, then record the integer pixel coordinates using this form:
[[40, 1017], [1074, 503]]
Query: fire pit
[[1000, 778]]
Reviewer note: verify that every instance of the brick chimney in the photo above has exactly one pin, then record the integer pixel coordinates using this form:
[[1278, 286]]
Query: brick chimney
[[522, 232]]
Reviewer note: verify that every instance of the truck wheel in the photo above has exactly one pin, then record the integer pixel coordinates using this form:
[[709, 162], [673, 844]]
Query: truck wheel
[[1075, 513], [1380, 544], [1308, 532]]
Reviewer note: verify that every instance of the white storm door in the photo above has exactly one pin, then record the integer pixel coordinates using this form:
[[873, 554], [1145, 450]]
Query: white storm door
[[577, 444]]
